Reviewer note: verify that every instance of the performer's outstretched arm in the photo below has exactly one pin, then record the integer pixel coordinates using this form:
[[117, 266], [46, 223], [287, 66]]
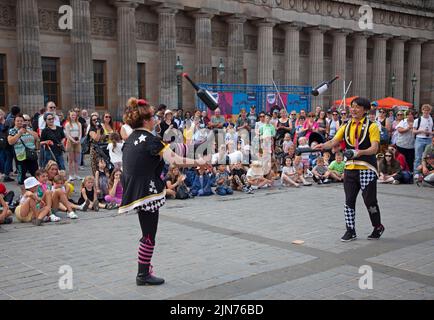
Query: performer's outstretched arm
[[172, 158]]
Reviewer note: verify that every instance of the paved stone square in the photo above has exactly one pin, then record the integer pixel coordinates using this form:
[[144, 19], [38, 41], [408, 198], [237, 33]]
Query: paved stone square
[[237, 247]]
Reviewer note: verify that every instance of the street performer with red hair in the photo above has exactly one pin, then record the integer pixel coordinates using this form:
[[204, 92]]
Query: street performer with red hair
[[362, 139], [143, 190]]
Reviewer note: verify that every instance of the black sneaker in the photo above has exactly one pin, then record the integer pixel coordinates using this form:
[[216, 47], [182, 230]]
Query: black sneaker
[[350, 235], [376, 234], [8, 179], [149, 280]]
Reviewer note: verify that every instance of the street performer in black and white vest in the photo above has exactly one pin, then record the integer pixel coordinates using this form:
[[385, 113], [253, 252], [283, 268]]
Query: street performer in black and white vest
[[362, 139], [143, 190]]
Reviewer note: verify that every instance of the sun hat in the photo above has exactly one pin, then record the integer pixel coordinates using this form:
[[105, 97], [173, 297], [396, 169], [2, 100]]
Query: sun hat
[[30, 183]]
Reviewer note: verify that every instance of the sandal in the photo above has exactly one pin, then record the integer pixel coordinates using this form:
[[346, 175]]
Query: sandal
[[96, 205]]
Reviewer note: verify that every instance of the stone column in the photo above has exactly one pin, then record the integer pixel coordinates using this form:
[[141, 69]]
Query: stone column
[[83, 94], [397, 66], [127, 54], [167, 50], [30, 84], [265, 51], [339, 58], [203, 63], [427, 76], [292, 53], [360, 64], [378, 84], [414, 58], [235, 65], [316, 61]]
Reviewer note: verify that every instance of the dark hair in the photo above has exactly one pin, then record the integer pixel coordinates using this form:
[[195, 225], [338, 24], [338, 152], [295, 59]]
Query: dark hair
[[364, 102], [15, 110], [112, 177], [114, 137], [18, 115], [136, 114], [40, 172], [162, 107]]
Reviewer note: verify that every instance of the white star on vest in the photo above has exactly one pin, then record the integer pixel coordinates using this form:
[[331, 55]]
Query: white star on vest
[[141, 139]]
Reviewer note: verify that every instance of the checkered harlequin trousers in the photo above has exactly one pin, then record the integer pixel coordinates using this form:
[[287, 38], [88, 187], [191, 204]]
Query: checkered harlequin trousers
[[366, 180]]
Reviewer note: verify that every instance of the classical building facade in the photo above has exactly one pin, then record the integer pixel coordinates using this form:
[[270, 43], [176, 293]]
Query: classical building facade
[[122, 48]]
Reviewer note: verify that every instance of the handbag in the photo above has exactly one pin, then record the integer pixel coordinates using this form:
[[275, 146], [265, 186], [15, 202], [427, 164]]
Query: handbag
[[31, 154], [85, 146]]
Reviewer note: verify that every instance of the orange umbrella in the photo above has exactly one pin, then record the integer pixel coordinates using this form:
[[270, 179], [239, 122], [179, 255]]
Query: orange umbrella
[[347, 101], [389, 103]]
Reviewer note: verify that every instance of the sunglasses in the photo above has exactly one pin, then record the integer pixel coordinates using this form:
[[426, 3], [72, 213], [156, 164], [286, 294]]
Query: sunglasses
[[388, 156], [108, 117], [335, 114], [261, 116], [48, 119], [400, 114], [293, 114], [382, 112], [343, 113]]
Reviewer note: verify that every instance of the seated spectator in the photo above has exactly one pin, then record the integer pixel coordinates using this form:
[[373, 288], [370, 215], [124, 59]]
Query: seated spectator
[[303, 144], [31, 208], [255, 176], [175, 184], [337, 168], [288, 174], [390, 170], [299, 168], [68, 187], [287, 143], [233, 154], [114, 197], [321, 172], [102, 180], [88, 196], [314, 155], [221, 157], [326, 156], [427, 167], [223, 181], [115, 150], [406, 176], [202, 183], [239, 180], [5, 212]]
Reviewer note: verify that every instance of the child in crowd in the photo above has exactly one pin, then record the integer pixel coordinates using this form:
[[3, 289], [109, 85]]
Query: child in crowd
[[288, 174], [299, 169], [313, 155], [231, 134], [337, 168], [202, 183], [223, 181], [287, 142], [31, 208], [326, 156], [303, 144], [68, 186], [115, 150], [239, 181], [5, 212], [88, 195], [101, 180], [114, 198], [321, 172], [255, 176]]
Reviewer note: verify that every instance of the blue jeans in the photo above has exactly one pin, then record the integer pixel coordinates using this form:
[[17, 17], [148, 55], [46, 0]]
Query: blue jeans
[[419, 147], [2, 160], [8, 157], [46, 156], [224, 190]]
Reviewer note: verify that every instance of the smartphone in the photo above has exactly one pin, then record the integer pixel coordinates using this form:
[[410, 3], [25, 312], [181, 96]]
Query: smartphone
[[24, 126]]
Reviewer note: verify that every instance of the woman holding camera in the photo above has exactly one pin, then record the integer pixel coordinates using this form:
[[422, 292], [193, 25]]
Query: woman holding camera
[[52, 138], [73, 146], [97, 137], [24, 141]]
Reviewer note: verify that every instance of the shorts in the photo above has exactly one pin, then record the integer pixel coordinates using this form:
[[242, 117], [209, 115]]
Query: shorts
[[27, 218], [71, 147]]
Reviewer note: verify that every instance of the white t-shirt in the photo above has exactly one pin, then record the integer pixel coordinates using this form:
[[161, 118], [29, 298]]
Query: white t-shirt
[[426, 124], [127, 128], [42, 124], [115, 153], [253, 174], [235, 157], [404, 140], [288, 170]]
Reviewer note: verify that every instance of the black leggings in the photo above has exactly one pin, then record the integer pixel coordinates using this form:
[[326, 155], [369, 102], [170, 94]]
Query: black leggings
[[352, 186], [26, 166], [148, 224]]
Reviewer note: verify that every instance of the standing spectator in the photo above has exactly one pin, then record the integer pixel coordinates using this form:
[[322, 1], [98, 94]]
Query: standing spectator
[[217, 121], [423, 129], [3, 143], [23, 138], [73, 132], [50, 108], [386, 128], [84, 119], [405, 139], [9, 150], [395, 122], [252, 117], [243, 121], [344, 117], [107, 125], [97, 139], [205, 120], [52, 137], [168, 126], [275, 118], [334, 125], [284, 125], [320, 125]]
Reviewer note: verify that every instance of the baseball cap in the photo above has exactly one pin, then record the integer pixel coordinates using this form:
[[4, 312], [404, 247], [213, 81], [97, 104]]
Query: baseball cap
[[2, 188], [30, 183]]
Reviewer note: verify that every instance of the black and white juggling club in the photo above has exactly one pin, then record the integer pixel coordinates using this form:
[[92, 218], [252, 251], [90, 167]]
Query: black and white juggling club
[[323, 87], [204, 95]]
